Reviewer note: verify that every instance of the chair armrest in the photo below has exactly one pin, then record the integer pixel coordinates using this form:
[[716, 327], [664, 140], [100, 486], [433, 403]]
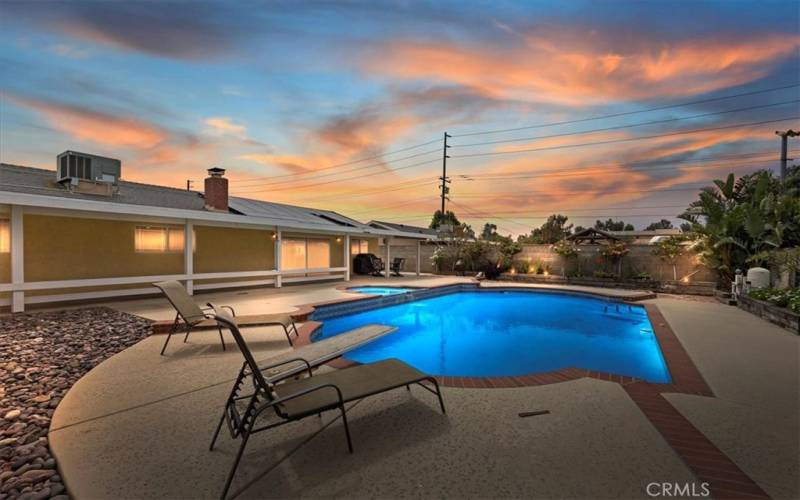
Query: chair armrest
[[209, 307], [298, 394], [308, 365]]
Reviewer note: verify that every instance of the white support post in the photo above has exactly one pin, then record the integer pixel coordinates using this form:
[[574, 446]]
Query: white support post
[[188, 254], [278, 277], [419, 255], [17, 259], [346, 253], [388, 257]]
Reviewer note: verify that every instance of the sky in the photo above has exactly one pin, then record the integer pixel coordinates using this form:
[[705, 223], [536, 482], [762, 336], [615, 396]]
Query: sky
[[590, 109]]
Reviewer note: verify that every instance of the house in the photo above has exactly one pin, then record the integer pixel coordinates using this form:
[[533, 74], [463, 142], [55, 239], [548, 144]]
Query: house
[[82, 232], [646, 237]]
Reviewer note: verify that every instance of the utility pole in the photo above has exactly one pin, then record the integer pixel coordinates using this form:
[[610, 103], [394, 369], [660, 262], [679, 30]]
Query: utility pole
[[785, 148], [189, 184], [445, 180]]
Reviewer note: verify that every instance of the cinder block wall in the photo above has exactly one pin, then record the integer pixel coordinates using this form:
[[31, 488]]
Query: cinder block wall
[[639, 259]]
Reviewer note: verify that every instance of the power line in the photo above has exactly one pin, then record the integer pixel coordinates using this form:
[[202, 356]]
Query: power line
[[628, 139], [412, 183], [601, 167], [628, 113], [352, 162], [346, 178], [619, 127], [259, 184]]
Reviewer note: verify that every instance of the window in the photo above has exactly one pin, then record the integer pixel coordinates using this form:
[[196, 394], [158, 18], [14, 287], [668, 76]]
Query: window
[[5, 236], [319, 254], [358, 246], [160, 239], [301, 253], [293, 254]]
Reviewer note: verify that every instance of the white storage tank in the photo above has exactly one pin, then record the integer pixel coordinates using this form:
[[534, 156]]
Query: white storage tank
[[758, 277]]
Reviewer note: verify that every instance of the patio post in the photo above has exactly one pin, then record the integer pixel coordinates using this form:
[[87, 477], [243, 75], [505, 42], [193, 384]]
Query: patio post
[[388, 257], [419, 255], [278, 277], [17, 259], [188, 255], [346, 254]]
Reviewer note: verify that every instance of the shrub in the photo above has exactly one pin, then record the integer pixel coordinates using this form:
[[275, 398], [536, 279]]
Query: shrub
[[782, 298], [565, 248], [521, 266], [604, 274]]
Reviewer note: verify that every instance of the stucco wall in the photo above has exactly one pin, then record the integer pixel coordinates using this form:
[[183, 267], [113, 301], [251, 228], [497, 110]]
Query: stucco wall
[[64, 248], [5, 267], [222, 249]]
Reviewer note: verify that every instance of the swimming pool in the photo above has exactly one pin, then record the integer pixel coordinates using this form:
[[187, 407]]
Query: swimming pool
[[380, 290], [510, 333]]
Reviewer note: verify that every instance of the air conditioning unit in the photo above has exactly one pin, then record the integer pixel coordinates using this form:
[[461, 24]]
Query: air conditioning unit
[[73, 167]]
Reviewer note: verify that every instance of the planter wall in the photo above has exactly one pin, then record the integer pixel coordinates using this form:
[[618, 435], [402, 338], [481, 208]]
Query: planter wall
[[677, 287], [772, 313]]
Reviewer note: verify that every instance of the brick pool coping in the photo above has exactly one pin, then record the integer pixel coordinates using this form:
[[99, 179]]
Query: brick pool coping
[[707, 462]]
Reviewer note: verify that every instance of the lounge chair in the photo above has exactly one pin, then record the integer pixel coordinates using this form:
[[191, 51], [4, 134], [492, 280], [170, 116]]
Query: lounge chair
[[296, 399], [397, 265], [190, 316]]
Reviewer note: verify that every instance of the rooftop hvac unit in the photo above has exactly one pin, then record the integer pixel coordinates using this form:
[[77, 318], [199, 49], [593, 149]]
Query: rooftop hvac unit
[[73, 166]]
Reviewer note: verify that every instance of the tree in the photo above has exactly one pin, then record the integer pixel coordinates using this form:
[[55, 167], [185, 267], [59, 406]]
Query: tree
[[669, 250], [662, 224], [613, 225], [553, 230], [489, 231], [686, 227], [737, 223], [448, 218]]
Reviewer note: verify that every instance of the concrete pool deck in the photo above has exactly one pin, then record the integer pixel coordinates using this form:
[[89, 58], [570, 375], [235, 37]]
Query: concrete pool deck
[[138, 425]]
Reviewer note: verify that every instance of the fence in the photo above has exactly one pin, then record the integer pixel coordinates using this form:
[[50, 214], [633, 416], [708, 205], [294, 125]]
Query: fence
[[639, 260]]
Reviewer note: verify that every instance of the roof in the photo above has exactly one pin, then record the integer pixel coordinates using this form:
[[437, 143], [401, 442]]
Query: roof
[[592, 234], [648, 233], [31, 180], [38, 187], [433, 233]]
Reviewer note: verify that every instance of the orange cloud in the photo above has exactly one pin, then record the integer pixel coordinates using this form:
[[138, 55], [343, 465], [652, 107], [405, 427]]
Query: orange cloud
[[87, 125], [225, 125], [576, 68]]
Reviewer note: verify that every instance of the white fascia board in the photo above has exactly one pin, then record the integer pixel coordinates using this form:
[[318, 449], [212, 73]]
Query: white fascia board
[[124, 209]]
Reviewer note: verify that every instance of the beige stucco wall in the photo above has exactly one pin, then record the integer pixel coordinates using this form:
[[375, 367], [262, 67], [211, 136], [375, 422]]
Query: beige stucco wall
[[5, 267], [222, 249], [64, 248]]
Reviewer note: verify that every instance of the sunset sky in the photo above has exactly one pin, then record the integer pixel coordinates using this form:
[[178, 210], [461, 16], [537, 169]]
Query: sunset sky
[[283, 93]]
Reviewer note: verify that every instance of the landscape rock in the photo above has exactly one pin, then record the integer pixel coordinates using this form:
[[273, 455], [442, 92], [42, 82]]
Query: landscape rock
[[41, 356]]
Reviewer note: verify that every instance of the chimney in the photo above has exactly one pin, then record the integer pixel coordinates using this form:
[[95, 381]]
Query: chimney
[[216, 190]]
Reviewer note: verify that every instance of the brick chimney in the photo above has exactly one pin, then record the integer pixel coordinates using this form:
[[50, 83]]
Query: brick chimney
[[216, 190]]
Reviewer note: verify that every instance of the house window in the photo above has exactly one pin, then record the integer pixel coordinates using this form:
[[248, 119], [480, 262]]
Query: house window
[[359, 246], [302, 253], [151, 239], [5, 236]]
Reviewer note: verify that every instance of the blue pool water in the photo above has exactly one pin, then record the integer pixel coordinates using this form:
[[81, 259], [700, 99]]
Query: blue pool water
[[492, 334], [379, 290]]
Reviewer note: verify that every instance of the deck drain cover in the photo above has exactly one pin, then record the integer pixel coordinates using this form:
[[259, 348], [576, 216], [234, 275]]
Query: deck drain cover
[[533, 413]]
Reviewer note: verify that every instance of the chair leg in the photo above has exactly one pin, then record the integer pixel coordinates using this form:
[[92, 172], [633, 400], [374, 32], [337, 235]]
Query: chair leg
[[219, 428], [221, 339], [346, 429], [438, 394], [245, 436], [288, 337], [188, 331], [169, 335]]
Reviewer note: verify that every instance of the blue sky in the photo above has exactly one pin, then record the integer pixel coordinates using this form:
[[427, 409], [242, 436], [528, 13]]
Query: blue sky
[[279, 92]]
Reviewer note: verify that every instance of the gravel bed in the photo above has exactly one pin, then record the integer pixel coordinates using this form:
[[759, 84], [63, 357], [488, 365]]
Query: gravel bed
[[41, 356]]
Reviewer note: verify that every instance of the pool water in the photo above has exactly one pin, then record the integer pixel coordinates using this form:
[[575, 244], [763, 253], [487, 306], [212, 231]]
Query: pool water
[[493, 334], [379, 290]]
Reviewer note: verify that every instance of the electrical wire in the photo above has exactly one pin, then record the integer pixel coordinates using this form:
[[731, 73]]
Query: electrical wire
[[628, 113], [632, 125], [627, 139]]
